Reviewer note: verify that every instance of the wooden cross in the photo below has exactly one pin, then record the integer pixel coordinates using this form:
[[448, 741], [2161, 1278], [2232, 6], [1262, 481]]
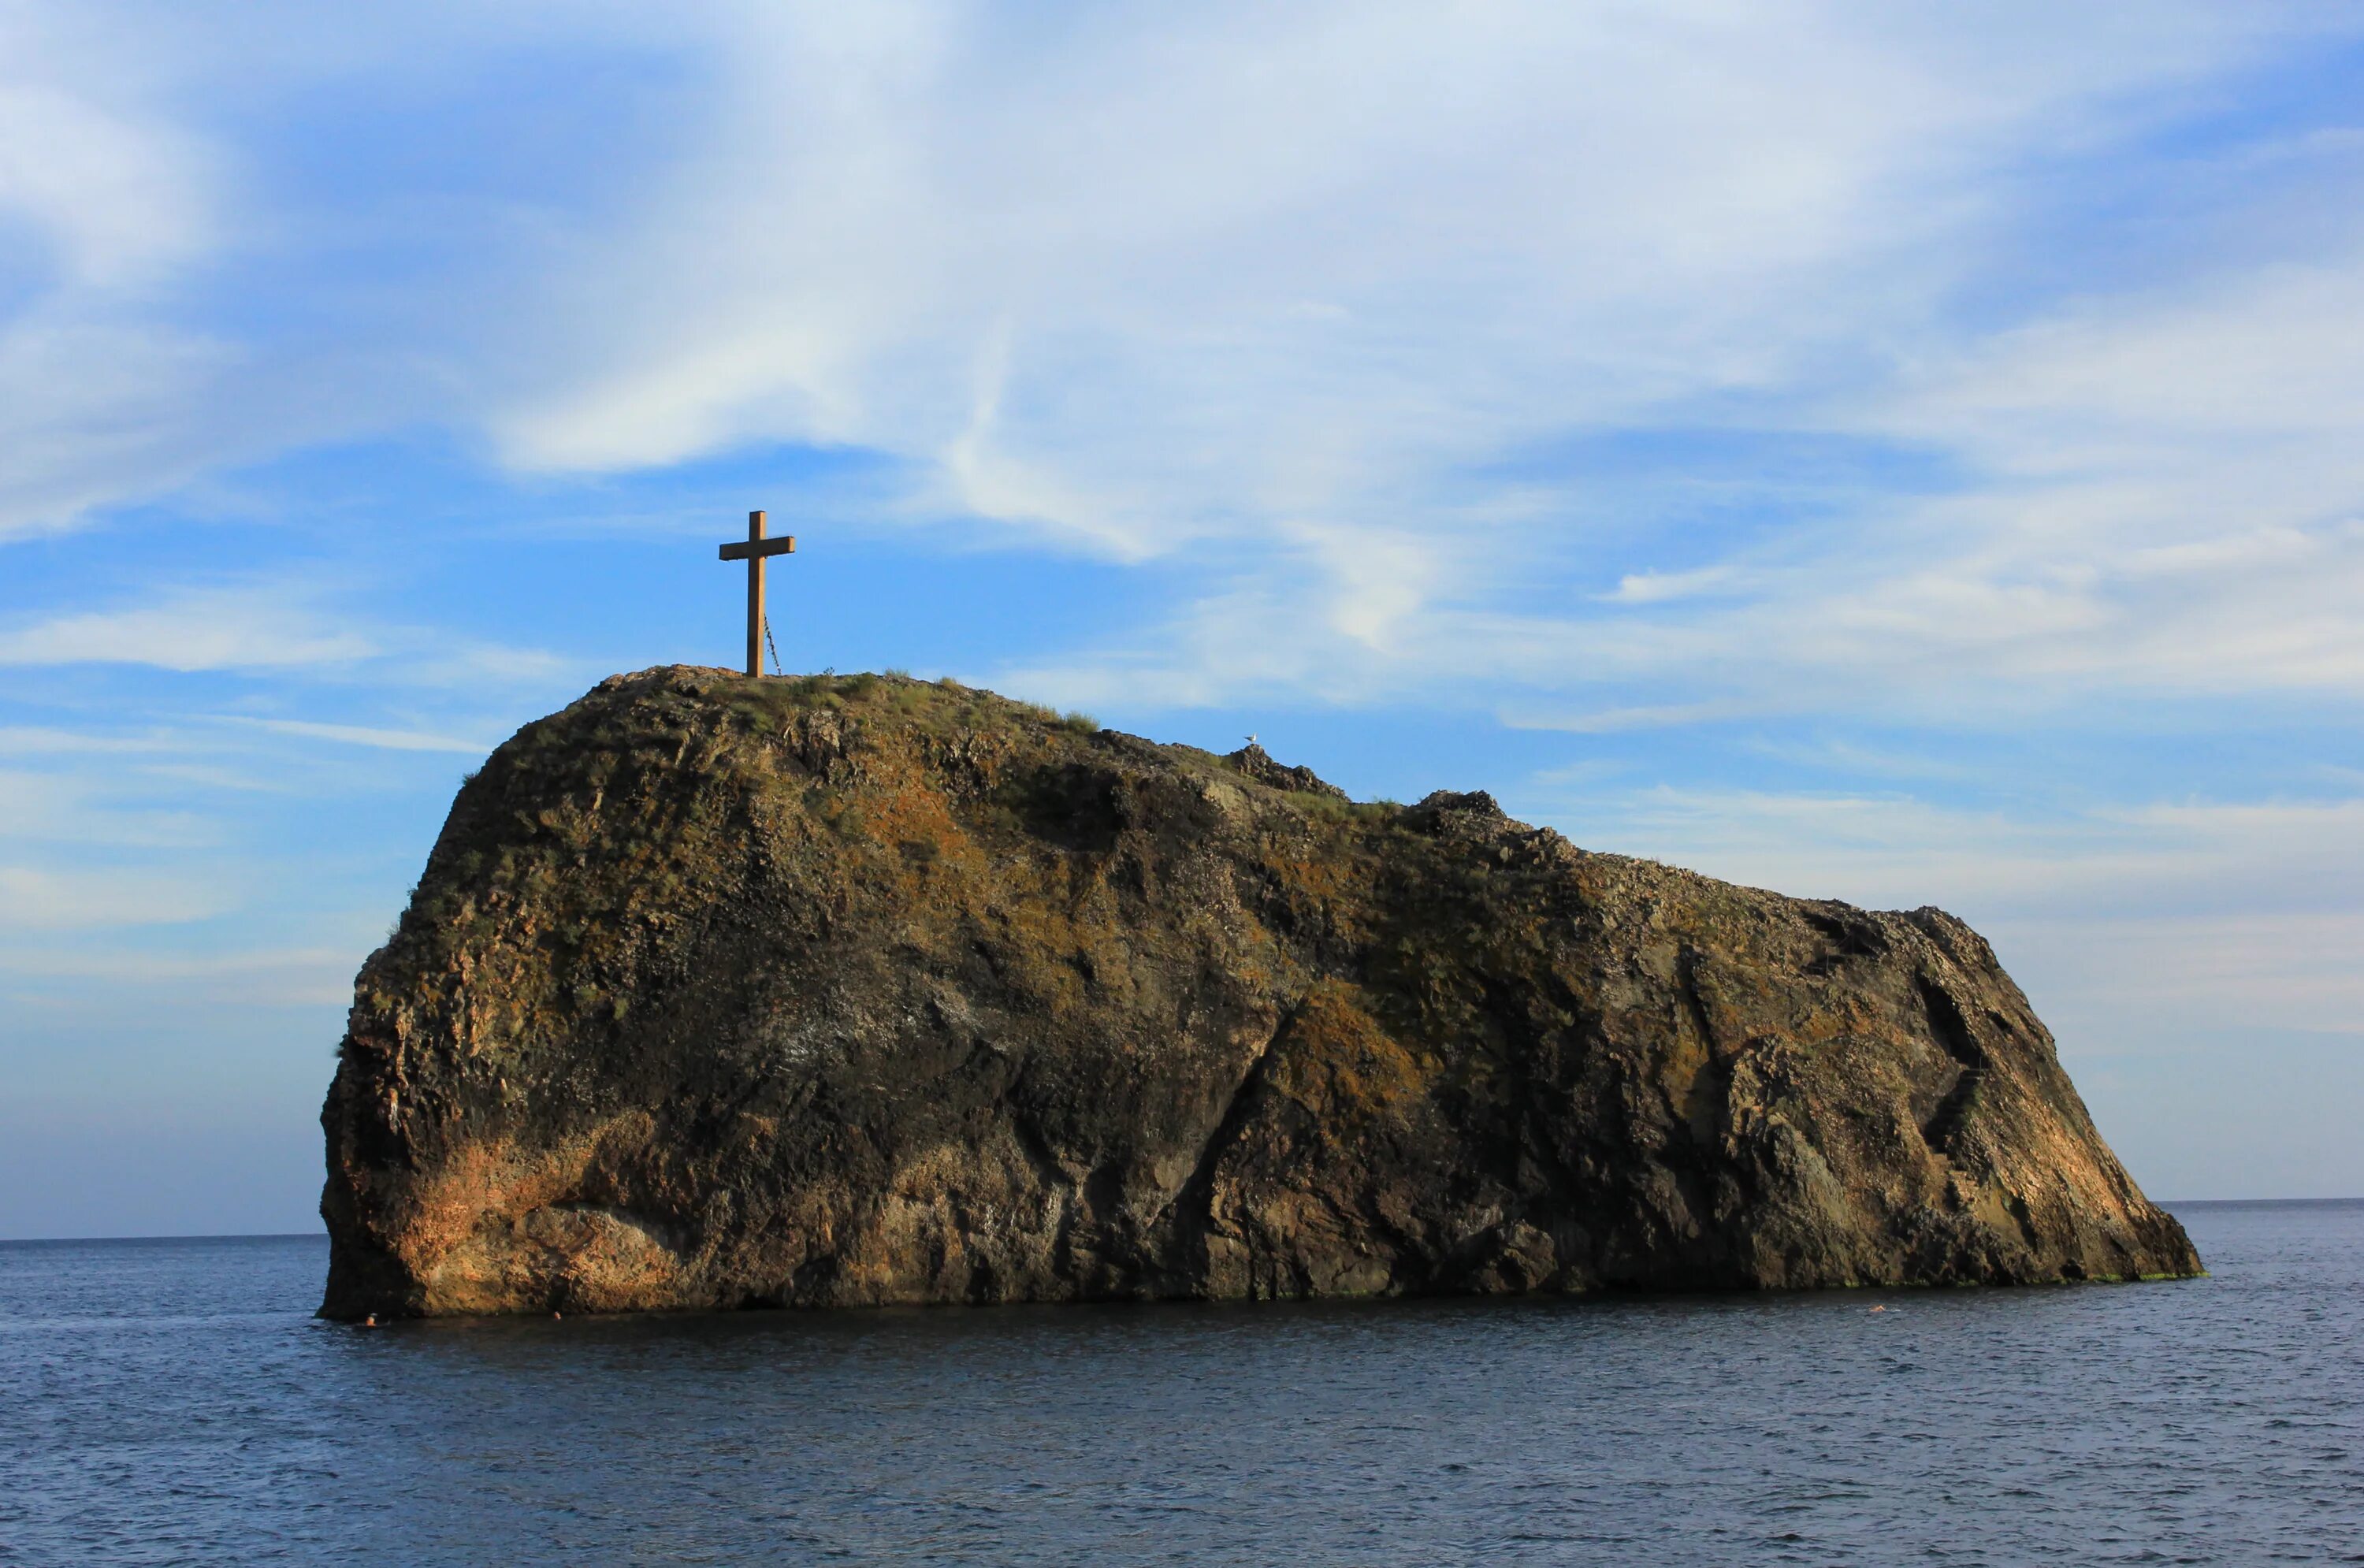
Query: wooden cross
[[754, 553]]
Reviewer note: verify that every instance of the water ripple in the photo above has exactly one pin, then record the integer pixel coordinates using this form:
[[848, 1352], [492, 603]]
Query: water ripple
[[171, 1402]]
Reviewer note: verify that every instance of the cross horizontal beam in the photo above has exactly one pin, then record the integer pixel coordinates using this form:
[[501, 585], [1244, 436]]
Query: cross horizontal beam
[[757, 549]]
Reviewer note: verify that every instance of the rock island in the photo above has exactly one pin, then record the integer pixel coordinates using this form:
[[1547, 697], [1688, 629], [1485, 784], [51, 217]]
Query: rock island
[[722, 992]]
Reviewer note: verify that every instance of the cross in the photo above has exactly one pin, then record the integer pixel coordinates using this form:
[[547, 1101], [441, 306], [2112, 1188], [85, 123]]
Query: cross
[[753, 552]]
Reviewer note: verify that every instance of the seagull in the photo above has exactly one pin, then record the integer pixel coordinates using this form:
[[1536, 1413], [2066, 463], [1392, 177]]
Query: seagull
[[1251, 739]]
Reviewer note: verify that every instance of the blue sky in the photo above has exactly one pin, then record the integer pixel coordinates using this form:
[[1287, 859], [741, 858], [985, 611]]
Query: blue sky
[[1906, 453]]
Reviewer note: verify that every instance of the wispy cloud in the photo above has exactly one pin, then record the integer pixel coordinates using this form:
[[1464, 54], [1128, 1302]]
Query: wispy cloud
[[366, 735], [98, 384], [307, 976], [87, 808], [2235, 974], [33, 899], [227, 628], [1659, 587], [265, 626], [28, 740], [1611, 720]]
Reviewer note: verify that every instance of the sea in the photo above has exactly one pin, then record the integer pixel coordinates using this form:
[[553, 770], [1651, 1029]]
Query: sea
[[175, 1402]]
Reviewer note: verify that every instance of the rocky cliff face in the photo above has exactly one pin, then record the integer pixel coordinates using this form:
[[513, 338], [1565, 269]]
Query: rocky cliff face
[[721, 992]]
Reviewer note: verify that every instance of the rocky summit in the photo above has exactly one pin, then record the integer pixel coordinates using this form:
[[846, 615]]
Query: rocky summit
[[721, 992]]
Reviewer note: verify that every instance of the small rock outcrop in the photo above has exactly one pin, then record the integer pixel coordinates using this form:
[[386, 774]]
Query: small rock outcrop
[[721, 992]]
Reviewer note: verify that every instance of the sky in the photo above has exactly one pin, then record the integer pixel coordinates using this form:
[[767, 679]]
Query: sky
[[1910, 453]]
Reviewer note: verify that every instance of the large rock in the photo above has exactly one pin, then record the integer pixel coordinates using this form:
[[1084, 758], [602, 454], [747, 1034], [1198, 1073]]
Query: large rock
[[721, 992]]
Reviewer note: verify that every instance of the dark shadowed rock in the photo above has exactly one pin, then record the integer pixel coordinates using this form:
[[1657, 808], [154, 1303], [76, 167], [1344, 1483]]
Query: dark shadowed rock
[[721, 992]]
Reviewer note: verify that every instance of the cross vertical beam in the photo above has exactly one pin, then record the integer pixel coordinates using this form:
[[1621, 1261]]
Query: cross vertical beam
[[754, 553], [754, 595]]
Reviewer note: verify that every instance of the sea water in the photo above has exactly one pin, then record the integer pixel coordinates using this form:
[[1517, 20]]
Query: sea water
[[174, 1402]]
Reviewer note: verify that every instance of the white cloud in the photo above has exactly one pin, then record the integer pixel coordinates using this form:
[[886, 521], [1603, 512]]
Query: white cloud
[[109, 200], [270, 627], [1149, 283], [2262, 355], [2173, 505], [120, 197], [1611, 720], [1659, 587], [89, 809], [32, 899], [225, 629], [306, 976], [433, 660], [2235, 974], [367, 735], [30, 739]]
